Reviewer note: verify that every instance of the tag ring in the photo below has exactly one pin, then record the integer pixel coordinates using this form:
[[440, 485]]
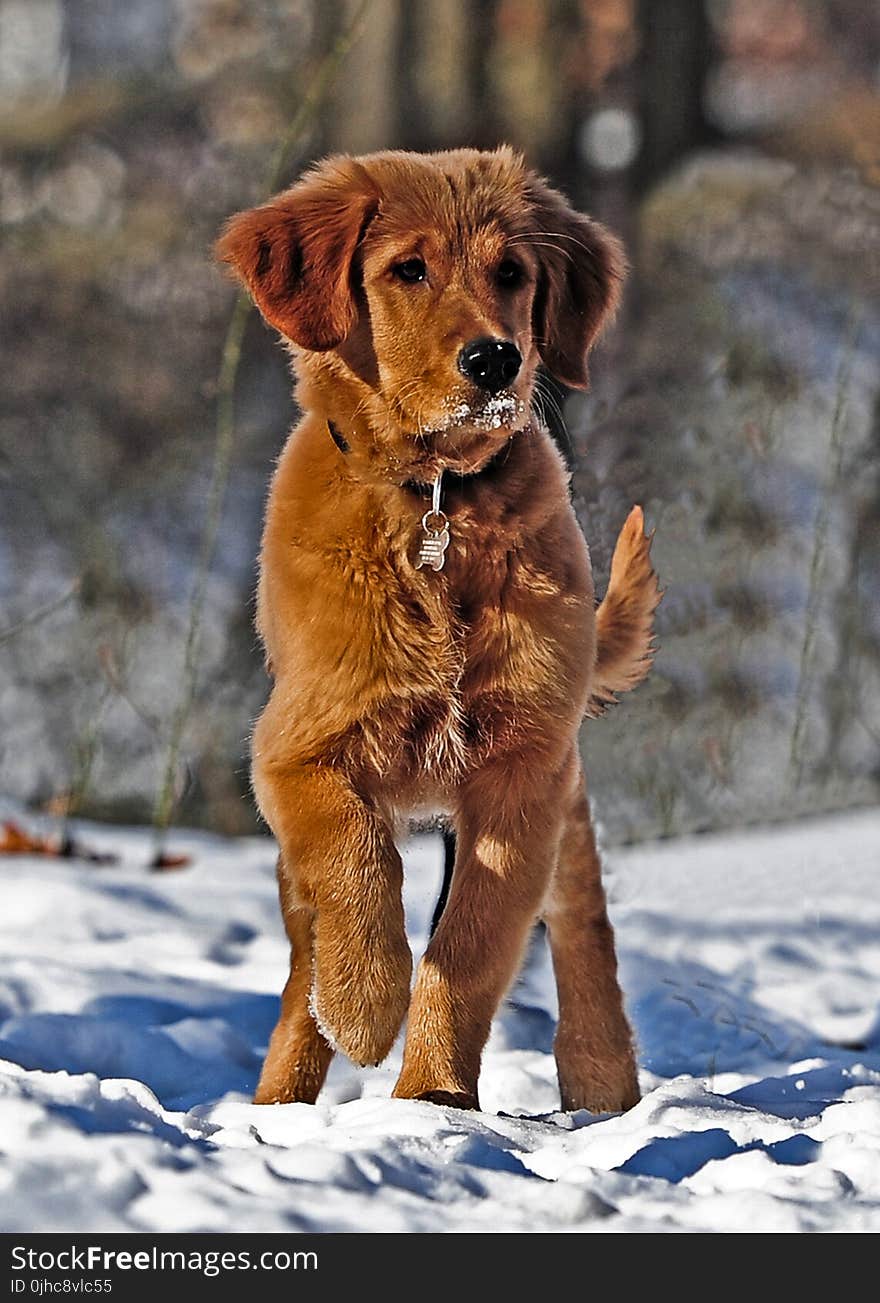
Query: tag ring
[[440, 516]]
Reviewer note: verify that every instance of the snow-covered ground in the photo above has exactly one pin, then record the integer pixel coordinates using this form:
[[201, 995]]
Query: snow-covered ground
[[135, 1007]]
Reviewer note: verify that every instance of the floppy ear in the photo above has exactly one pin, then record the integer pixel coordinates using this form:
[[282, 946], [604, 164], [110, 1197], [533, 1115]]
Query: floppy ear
[[294, 254], [582, 270]]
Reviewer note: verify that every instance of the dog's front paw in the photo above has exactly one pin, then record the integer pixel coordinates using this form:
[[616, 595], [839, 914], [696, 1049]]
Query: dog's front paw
[[360, 987], [447, 1098]]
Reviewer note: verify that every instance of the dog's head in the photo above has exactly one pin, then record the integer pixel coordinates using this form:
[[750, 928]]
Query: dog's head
[[439, 282]]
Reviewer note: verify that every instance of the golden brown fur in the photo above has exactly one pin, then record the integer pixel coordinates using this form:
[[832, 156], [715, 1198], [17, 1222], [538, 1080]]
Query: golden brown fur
[[400, 689]]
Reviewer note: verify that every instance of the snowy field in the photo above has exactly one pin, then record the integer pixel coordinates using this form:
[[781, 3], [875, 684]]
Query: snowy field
[[135, 1008]]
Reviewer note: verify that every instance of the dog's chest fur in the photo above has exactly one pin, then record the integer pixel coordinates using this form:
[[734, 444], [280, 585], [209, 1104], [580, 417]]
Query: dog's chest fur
[[460, 660], [410, 679]]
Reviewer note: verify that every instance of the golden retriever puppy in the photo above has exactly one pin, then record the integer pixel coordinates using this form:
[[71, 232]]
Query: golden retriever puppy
[[427, 610]]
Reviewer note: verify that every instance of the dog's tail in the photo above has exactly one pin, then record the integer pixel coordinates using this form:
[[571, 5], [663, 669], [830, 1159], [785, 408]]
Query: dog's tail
[[625, 617]]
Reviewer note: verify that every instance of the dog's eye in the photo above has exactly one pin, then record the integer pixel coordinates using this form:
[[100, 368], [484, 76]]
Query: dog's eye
[[509, 274], [411, 271]]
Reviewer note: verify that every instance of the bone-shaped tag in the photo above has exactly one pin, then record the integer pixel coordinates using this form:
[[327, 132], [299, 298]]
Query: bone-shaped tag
[[432, 550]]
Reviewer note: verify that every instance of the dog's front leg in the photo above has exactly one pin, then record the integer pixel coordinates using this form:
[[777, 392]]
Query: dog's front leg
[[508, 838], [342, 873]]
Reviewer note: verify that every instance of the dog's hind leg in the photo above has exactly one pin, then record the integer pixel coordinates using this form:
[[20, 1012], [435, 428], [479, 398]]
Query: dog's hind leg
[[593, 1046], [299, 1056]]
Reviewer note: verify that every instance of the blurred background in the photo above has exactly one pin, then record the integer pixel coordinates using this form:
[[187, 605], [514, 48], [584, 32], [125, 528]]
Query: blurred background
[[734, 144]]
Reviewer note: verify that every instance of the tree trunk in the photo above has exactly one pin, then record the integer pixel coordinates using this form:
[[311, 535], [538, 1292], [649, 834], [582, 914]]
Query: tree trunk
[[676, 50]]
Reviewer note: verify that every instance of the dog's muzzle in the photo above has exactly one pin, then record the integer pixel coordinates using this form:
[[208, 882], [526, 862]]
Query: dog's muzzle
[[491, 364]]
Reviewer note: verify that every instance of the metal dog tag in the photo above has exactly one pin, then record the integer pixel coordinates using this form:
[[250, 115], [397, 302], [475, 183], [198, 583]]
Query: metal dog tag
[[432, 549]]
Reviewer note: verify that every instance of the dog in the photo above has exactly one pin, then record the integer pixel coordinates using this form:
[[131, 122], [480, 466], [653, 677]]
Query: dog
[[427, 610]]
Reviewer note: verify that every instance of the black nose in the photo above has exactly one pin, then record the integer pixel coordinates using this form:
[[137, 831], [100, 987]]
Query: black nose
[[492, 364]]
